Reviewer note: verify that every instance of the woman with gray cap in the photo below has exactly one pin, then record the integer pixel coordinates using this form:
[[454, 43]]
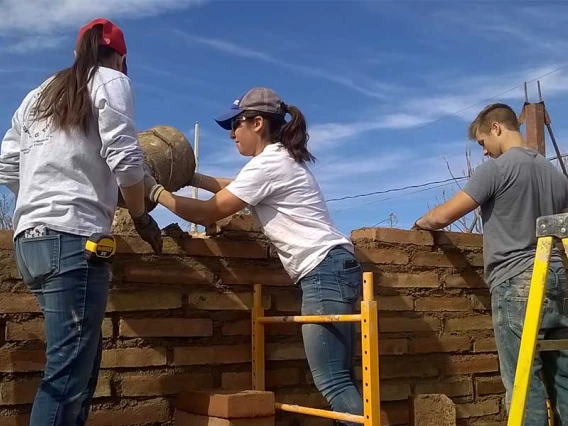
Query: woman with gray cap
[[287, 201]]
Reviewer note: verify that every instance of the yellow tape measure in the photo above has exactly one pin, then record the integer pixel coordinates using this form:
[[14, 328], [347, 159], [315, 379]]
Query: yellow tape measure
[[100, 247]]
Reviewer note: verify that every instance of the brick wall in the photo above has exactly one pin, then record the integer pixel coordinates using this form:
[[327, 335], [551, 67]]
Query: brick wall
[[182, 321]]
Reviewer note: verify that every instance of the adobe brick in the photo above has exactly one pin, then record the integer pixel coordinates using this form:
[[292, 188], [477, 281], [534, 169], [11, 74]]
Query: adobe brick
[[381, 256], [395, 413], [166, 327], [480, 303], [485, 345], [230, 301], [442, 304], [133, 357], [441, 260], [250, 276], [435, 409], [392, 235], [393, 346], [15, 420], [26, 330], [103, 388], [401, 280], [233, 380], [155, 411], [237, 222], [18, 361], [224, 248], [16, 393], [397, 368], [478, 409], [440, 344], [11, 303], [466, 280], [394, 391], [187, 419], [475, 259], [476, 322], [123, 301], [489, 386], [168, 384], [107, 328], [288, 302], [227, 404], [285, 351], [180, 274], [395, 303], [476, 364], [399, 325], [219, 354], [461, 387], [459, 239]]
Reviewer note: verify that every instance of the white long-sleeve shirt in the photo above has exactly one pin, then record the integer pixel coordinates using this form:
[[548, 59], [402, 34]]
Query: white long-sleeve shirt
[[69, 181]]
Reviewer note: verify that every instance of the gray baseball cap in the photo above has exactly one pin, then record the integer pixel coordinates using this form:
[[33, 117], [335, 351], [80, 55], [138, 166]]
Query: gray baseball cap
[[258, 99]]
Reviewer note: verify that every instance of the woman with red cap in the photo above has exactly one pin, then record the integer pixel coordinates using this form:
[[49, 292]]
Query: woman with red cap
[[71, 147], [287, 201]]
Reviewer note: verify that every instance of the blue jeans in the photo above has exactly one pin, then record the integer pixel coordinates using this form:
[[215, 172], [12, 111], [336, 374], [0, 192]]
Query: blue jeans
[[333, 287], [72, 294], [550, 369]]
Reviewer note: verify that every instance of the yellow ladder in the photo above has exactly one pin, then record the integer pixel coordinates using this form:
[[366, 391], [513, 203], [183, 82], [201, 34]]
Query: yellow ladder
[[548, 230], [370, 353]]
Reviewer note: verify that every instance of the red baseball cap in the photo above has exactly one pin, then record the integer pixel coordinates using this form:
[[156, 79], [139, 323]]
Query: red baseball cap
[[112, 36]]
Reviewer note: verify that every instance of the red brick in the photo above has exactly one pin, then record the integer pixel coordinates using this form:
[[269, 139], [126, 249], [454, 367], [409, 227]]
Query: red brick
[[477, 322], [11, 303], [394, 391], [393, 346], [16, 393], [395, 303], [274, 378], [381, 256], [399, 324], [180, 274], [169, 384], [229, 301], [186, 419], [392, 235], [440, 344], [468, 365], [460, 239], [143, 301], [149, 412], [15, 420], [133, 357], [26, 330], [250, 276], [441, 260], [166, 327], [478, 409], [285, 351], [489, 386], [227, 404], [485, 345], [455, 387], [480, 303], [442, 304], [465, 280], [21, 361], [203, 355], [401, 280]]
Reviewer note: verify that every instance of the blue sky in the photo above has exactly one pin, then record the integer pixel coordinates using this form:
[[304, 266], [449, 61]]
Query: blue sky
[[387, 87]]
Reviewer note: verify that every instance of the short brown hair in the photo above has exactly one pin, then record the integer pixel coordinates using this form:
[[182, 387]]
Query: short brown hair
[[501, 113]]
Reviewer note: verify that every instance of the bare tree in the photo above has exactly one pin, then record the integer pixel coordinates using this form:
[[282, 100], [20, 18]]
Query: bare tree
[[470, 223], [6, 210]]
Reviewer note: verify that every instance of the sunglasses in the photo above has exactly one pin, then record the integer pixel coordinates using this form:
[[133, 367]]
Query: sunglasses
[[236, 122]]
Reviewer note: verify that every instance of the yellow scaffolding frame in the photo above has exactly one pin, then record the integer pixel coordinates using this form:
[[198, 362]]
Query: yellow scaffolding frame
[[370, 353]]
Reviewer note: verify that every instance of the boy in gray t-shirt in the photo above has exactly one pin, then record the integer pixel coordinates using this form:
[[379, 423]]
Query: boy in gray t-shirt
[[514, 188]]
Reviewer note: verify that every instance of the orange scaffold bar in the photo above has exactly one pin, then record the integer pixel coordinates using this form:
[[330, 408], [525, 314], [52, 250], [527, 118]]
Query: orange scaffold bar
[[369, 348]]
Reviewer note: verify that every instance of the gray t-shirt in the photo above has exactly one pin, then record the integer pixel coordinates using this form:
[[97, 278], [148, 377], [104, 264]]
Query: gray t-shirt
[[513, 191]]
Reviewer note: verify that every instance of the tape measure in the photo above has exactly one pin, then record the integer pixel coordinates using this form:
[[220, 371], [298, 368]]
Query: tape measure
[[100, 247]]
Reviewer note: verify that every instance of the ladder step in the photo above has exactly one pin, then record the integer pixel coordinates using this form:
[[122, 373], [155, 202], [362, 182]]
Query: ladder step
[[552, 345]]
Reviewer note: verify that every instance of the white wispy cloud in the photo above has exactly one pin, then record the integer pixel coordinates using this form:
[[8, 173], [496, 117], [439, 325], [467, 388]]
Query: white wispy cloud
[[373, 88]]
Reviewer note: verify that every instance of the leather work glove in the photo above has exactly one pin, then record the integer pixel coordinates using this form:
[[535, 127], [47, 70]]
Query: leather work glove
[[149, 231]]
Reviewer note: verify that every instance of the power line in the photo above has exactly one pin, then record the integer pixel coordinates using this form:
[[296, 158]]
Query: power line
[[454, 113]]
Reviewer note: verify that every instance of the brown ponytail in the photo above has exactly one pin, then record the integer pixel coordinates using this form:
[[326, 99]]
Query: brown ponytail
[[66, 98]]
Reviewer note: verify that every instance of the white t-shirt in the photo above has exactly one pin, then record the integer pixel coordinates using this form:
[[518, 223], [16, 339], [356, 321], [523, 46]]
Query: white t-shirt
[[287, 201]]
